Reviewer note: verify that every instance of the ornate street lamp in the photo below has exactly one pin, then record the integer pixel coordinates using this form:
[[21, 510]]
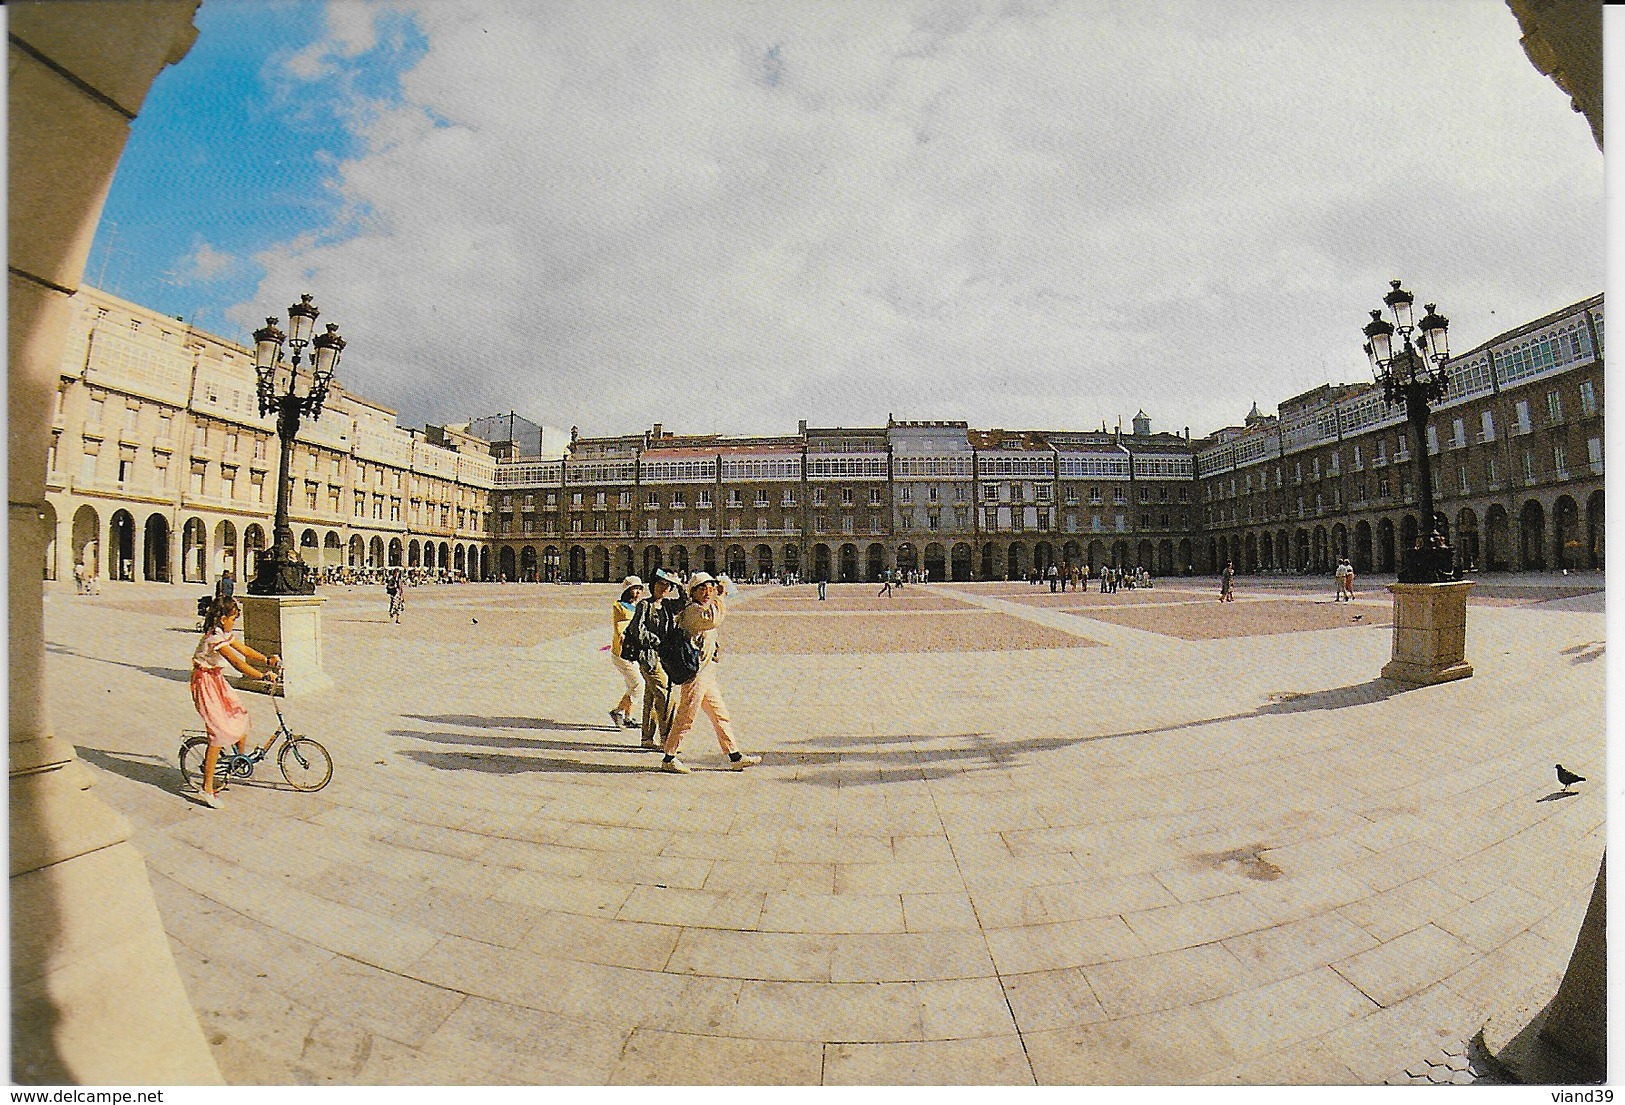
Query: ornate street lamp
[[1414, 372], [284, 572]]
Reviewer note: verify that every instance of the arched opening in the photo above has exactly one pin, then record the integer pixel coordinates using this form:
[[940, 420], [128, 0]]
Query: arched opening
[[1570, 550], [1165, 558], [1120, 554], [1362, 547], [1143, 555], [396, 551], [738, 567], [1015, 563], [414, 553], [87, 528], [936, 561], [652, 561], [822, 568], [332, 550], [1385, 546], [708, 559], [1596, 526], [625, 563], [792, 560], [375, 553], [194, 551], [990, 562], [155, 551], [1266, 552], [507, 566], [1497, 539], [1249, 553], [121, 546], [253, 548], [877, 561], [679, 558], [1408, 531], [485, 563], [1071, 554], [1320, 563], [444, 560], [1097, 555], [1043, 556], [1340, 541], [1467, 550], [600, 564], [849, 563], [1300, 541], [457, 557], [578, 564], [527, 564], [906, 557], [764, 561], [960, 561], [1532, 536], [548, 571], [1186, 553], [48, 523], [357, 557]]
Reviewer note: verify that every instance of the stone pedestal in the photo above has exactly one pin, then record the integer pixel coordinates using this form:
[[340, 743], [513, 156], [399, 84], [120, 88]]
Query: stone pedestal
[[289, 626], [1430, 633]]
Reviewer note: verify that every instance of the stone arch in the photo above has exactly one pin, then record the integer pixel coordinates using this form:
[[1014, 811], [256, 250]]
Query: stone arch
[[375, 552], [822, 566], [528, 567], [1321, 550], [1186, 553], [1143, 555], [679, 558], [155, 550], [414, 553], [1385, 545], [625, 562], [1363, 557], [849, 562], [86, 538], [1266, 551], [764, 561], [990, 562], [1408, 532], [332, 550], [396, 552], [708, 558], [877, 561], [738, 565], [935, 563], [1568, 544], [906, 556], [1165, 558], [577, 564], [121, 546], [1467, 547], [48, 525], [1340, 541], [1043, 556], [1532, 536], [1071, 554], [601, 564], [1097, 557], [507, 564], [792, 560], [652, 561], [194, 551], [1300, 550], [1015, 564], [959, 561], [225, 547]]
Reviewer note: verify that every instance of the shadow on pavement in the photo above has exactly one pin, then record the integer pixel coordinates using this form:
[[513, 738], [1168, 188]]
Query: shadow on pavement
[[507, 722], [154, 772], [514, 765], [475, 741], [1559, 795]]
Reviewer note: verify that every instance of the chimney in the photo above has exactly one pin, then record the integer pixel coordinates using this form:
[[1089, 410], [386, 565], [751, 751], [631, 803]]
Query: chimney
[[801, 426], [655, 433]]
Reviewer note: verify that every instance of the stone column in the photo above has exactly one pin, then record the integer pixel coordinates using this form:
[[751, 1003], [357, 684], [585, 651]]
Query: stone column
[[94, 991]]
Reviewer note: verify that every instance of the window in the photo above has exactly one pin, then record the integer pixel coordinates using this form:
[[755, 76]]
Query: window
[[991, 517], [395, 510], [788, 498], [1358, 463], [97, 405], [1594, 451], [652, 502], [87, 468], [600, 500], [1520, 417], [196, 485], [704, 500], [961, 493], [1433, 439], [1119, 496], [1528, 466], [1560, 458], [126, 470], [846, 496], [131, 416], [1588, 398], [874, 496], [761, 497], [1094, 495], [1461, 480], [360, 505], [1043, 519], [576, 500], [990, 492], [736, 498], [1043, 492], [1017, 493], [933, 520], [1554, 406], [905, 494], [1486, 426], [1492, 473], [1458, 434], [310, 497]]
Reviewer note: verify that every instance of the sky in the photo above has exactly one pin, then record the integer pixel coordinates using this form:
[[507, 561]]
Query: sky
[[730, 215]]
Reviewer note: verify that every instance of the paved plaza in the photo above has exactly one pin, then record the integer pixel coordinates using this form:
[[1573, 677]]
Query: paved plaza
[[997, 836]]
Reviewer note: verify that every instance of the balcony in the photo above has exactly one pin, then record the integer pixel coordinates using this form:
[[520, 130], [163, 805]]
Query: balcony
[[1485, 437]]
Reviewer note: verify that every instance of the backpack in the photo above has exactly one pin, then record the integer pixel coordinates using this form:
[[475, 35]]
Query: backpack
[[679, 657], [637, 640]]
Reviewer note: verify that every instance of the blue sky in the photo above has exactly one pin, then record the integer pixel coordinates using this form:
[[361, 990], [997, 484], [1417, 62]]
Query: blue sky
[[230, 157], [727, 215]]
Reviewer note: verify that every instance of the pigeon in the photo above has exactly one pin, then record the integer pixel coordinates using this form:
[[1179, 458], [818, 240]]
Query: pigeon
[[476, 621], [1567, 777]]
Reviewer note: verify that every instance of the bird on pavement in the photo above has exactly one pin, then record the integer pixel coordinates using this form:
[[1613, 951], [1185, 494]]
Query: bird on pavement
[[1567, 777]]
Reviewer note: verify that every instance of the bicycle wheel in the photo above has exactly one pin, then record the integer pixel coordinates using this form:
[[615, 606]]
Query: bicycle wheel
[[193, 752], [305, 764]]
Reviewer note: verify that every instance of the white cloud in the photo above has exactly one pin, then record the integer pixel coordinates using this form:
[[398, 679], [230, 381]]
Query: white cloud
[[206, 263], [727, 216]]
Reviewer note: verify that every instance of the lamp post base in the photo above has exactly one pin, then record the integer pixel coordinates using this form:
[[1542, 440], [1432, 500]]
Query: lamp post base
[[289, 626], [1430, 633], [282, 575]]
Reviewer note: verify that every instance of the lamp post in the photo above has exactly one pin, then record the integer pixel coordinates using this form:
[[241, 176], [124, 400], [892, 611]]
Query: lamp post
[[284, 572], [1414, 372]]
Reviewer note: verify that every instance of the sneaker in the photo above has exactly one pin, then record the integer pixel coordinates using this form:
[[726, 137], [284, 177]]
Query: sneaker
[[207, 799], [617, 717], [744, 761], [676, 767], [631, 723]]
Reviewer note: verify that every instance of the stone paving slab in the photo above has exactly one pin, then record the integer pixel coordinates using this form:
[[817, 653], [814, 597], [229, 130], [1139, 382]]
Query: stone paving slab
[[1166, 859]]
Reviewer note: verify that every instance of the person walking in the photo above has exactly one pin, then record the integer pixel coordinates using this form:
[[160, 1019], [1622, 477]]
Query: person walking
[[823, 584], [885, 583], [224, 716], [1345, 580], [700, 619], [621, 611], [1227, 583], [395, 588], [226, 586], [653, 618]]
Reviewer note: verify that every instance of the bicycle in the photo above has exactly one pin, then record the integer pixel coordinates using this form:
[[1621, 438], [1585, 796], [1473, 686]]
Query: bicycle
[[303, 761]]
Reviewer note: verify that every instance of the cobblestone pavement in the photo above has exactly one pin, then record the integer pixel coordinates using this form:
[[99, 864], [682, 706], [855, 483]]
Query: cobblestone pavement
[[1236, 858]]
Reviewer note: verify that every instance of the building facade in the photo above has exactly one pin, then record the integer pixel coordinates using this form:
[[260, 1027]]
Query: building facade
[[1516, 449], [162, 469]]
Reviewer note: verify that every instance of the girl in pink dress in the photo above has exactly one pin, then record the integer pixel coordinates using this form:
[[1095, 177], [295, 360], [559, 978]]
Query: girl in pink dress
[[223, 714]]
